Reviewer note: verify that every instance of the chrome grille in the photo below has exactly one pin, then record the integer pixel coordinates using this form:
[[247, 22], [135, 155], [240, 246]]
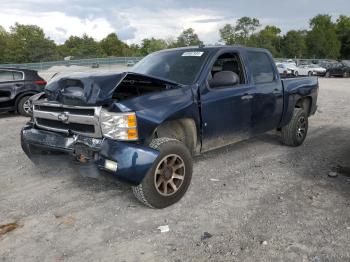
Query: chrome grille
[[67, 119]]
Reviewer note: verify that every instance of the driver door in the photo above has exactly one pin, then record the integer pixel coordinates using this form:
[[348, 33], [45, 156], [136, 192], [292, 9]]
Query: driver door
[[226, 110]]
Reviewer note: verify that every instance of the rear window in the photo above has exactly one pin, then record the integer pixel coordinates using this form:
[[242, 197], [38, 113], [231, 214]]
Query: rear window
[[17, 75], [261, 67]]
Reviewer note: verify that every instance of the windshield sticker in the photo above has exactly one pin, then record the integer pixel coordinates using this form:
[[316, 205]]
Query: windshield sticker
[[193, 54]]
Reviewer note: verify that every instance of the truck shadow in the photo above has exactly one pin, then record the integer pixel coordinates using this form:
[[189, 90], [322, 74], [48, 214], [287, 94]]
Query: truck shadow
[[325, 150], [9, 115]]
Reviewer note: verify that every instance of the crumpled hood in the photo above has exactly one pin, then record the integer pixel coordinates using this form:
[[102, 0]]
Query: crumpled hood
[[95, 89], [83, 88]]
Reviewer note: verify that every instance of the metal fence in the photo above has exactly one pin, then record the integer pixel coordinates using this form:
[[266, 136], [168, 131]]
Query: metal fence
[[110, 61], [93, 63]]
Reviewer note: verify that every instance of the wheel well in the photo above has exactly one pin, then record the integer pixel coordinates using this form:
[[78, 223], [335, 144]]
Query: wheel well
[[304, 103], [18, 97], [183, 130]]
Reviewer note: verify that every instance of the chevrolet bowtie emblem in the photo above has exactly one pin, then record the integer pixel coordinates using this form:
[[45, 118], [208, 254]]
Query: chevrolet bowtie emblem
[[63, 117]]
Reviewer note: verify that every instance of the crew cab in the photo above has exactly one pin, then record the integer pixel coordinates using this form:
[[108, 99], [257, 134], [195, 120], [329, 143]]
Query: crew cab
[[16, 87], [145, 126]]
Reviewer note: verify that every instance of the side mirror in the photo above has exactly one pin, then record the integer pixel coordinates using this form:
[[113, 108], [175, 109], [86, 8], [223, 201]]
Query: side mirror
[[224, 78]]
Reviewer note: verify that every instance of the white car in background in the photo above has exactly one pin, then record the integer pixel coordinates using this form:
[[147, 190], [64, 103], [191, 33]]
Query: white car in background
[[283, 69], [293, 68], [310, 70]]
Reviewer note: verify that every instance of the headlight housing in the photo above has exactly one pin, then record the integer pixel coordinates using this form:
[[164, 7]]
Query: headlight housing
[[119, 126]]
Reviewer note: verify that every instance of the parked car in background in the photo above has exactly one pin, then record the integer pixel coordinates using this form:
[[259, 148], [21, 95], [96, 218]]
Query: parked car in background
[[16, 87], [310, 70], [293, 68], [283, 69], [338, 69], [130, 63]]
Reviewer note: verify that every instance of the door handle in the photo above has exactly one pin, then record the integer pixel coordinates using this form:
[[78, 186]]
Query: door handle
[[276, 91], [246, 97]]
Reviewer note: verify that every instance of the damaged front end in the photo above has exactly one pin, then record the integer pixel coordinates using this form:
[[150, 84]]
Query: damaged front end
[[80, 115], [127, 161]]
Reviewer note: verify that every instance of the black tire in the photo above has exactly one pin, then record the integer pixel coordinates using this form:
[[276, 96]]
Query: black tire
[[147, 192], [295, 132], [22, 107]]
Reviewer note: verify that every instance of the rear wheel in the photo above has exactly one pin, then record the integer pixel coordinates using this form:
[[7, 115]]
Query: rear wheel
[[23, 107], [295, 132], [170, 176]]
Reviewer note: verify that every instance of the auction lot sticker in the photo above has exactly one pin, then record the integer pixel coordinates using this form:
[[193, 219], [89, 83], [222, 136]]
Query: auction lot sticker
[[193, 54]]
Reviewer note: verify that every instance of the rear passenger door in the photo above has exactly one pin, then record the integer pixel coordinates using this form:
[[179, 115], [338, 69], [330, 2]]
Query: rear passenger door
[[267, 103]]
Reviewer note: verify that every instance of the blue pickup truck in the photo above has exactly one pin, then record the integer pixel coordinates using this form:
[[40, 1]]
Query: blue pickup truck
[[144, 126]]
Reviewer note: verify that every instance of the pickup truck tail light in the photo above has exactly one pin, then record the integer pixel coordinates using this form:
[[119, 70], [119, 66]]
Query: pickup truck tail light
[[119, 126]]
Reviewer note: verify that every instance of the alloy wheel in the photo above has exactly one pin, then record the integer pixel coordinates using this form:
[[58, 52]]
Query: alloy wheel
[[301, 128], [169, 175]]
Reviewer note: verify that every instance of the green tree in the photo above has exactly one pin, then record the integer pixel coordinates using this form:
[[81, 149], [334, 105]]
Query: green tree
[[134, 50], [188, 38], [228, 34], [343, 33], [245, 27], [294, 44], [268, 38], [322, 40], [28, 43], [3, 44], [82, 47], [112, 46], [151, 45], [240, 32]]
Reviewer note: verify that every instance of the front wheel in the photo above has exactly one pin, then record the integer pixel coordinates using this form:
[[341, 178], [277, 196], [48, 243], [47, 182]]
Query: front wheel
[[295, 132], [170, 176]]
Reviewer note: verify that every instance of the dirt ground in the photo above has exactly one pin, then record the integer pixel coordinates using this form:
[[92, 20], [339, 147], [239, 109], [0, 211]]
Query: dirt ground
[[258, 200]]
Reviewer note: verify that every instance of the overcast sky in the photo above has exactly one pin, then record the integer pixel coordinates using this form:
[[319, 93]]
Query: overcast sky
[[134, 20]]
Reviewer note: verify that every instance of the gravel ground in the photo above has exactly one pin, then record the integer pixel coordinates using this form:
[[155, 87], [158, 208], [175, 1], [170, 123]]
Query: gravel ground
[[258, 200]]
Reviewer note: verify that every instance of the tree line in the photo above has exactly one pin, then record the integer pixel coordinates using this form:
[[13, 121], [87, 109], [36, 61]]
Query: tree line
[[324, 39]]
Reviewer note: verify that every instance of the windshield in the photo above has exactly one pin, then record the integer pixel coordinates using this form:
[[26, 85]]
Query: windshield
[[180, 66]]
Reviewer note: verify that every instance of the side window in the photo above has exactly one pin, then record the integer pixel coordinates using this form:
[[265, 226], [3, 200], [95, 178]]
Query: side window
[[17, 76], [231, 64], [261, 67], [6, 76]]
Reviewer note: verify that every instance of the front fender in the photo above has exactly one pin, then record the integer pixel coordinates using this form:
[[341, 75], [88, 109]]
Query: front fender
[[134, 161]]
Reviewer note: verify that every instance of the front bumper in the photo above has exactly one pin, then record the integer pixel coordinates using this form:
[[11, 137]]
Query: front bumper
[[133, 160]]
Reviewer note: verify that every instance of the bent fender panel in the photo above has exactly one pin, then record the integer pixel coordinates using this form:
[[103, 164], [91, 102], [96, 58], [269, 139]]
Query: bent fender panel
[[134, 161], [154, 109]]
